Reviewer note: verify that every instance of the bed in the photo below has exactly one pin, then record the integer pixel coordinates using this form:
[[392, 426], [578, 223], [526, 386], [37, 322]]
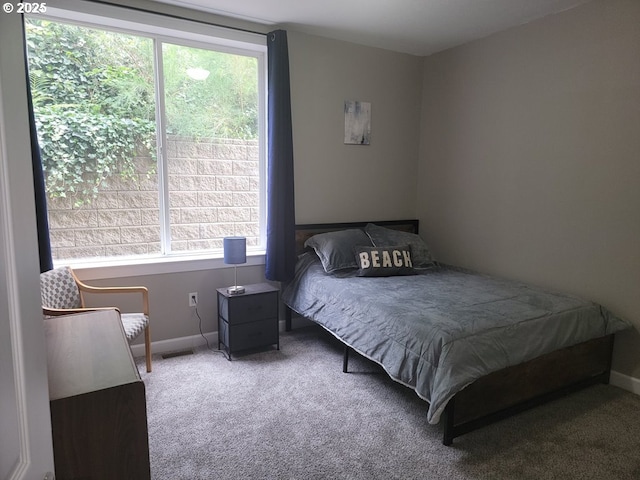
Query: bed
[[475, 347]]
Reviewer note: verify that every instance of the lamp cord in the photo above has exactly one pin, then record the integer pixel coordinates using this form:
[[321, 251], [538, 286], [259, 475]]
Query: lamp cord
[[203, 336]]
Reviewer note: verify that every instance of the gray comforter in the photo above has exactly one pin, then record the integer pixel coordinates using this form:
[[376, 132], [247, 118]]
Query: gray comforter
[[439, 331]]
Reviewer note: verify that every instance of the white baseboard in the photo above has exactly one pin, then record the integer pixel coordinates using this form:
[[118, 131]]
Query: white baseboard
[[176, 344], [625, 382]]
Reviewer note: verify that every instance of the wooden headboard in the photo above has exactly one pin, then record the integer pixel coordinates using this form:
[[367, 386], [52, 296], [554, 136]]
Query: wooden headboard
[[305, 231]]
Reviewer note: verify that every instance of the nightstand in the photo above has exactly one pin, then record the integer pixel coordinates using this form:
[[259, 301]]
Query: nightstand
[[248, 320]]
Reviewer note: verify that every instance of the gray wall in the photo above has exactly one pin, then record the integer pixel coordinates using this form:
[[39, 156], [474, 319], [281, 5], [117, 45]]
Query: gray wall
[[171, 316], [530, 157], [337, 182]]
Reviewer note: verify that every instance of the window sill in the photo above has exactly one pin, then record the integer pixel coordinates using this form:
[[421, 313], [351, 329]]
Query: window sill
[[119, 268]]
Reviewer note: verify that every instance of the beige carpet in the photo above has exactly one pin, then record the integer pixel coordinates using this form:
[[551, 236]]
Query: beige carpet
[[293, 414]]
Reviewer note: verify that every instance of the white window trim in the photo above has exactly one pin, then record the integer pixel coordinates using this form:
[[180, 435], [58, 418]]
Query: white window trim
[[135, 21], [188, 33], [127, 267]]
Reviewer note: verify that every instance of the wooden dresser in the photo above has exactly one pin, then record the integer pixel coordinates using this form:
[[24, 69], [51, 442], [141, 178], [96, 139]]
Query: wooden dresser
[[98, 405]]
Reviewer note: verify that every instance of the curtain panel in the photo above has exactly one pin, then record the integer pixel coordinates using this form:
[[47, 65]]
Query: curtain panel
[[280, 257], [42, 221]]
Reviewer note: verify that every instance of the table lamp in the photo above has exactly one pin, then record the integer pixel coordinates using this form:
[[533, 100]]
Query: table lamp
[[235, 253]]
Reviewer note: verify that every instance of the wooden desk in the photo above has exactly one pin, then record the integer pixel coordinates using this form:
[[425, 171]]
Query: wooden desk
[[98, 405]]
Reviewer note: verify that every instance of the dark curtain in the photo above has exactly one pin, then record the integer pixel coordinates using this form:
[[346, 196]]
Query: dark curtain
[[44, 243], [281, 257]]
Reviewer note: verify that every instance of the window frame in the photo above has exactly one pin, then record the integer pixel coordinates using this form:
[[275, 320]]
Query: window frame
[[163, 29]]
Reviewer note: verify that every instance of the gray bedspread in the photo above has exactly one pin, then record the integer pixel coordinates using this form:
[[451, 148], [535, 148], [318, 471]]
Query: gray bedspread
[[439, 331]]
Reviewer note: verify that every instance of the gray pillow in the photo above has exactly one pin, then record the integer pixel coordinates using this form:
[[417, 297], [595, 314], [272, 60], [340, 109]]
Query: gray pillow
[[336, 249], [384, 261], [386, 237]]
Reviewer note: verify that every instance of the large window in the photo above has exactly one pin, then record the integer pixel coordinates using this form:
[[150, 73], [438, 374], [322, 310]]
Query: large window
[[152, 145]]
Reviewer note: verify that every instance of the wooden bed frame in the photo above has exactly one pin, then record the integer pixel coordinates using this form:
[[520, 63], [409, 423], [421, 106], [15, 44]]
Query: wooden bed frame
[[508, 391]]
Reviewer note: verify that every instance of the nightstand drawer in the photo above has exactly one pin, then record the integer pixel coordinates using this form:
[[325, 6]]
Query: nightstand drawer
[[249, 335], [251, 308]]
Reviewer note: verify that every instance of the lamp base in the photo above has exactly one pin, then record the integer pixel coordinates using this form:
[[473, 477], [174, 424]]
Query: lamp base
[[237, 290]]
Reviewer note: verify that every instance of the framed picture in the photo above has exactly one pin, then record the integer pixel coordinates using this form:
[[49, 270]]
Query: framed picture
[[357, 122]]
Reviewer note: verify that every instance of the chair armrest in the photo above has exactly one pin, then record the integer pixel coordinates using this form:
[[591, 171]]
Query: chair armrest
[[134, 289], [55, 312], [92, 289]]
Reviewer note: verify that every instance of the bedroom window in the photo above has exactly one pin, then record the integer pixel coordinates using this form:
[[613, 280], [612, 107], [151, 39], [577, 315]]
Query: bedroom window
[[152, 138]]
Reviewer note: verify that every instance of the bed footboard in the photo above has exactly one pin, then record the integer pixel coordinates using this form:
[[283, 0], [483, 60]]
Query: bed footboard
[[518, 388], [515, 389]]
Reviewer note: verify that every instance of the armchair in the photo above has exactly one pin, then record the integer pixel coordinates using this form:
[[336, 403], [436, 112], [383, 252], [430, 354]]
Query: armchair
[[62, 294]]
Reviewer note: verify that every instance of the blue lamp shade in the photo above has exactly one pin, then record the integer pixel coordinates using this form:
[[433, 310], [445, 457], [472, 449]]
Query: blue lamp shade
[[235, 250], [235, 253]]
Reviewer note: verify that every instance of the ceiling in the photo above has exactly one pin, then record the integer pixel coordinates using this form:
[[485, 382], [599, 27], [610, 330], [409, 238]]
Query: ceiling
[[418, 27]]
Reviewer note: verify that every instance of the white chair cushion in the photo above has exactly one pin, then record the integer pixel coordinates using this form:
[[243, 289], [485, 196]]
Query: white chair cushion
[[134, 324]]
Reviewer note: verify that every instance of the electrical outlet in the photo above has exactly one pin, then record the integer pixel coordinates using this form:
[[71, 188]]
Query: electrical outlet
[[193, 299]]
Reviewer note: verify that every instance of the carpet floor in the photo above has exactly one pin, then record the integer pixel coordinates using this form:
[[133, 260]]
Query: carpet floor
[[292, 414]]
